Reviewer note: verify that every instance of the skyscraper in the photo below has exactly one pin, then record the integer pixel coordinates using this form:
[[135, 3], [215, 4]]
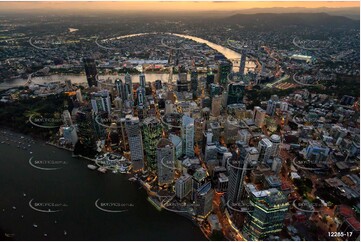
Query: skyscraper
[[276, 165], [188, 135], [209, 79], [265, 150], [177, 142], [216, 105], [128, 87], [152, 133], [259, 116], [166, 162], [271, 107], [276, 141], [182, 83], [183, 186], [91, 71], [224, 69], [199, 126], [267, 217], [204, 200], [194, 82], [235, 93], [142, 80], [141, 96], [231, 127], [238, 170], [216, 130], [215, 89], [101, 101], [135, 142], [119, 86]]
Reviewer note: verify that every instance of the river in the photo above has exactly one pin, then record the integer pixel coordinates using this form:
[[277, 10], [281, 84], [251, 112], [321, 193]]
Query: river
[[76, 188], [228, 53]]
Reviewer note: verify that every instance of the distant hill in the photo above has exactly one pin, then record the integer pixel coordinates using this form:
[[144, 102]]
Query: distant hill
[[287, 19], [353, 13]]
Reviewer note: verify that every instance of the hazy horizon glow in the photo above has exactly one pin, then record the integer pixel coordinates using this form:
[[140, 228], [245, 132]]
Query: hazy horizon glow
[[171, 6]]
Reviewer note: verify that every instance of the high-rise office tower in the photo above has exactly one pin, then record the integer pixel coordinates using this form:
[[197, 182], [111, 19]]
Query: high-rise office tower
[[265, 150], [231, 127], [210, 152], [209, 79], [177, 142], [207, 137], [276, 165], [188, 135], [244, 135], [166, 162], [224, 69], [91, 71], [119, 86], [194, 82], [128, 87], [271, 105], [183, 186], [215, 89], [135, 142], [267, 217], [101, 101], [216, 106], [225, 157], [259, 116], [251, 154], [204, 200], [238, 170], [152, 133], [198, 179], [140, 96], [199, 126], [142, 80], [216, 130], [182, 82], [276, 142], [235, 93]]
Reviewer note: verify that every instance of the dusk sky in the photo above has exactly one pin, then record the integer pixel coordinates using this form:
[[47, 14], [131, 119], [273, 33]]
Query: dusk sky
[[172, 6]]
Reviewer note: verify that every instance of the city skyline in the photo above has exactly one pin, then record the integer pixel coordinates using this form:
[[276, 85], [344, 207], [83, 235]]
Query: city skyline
[[120, 123]]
